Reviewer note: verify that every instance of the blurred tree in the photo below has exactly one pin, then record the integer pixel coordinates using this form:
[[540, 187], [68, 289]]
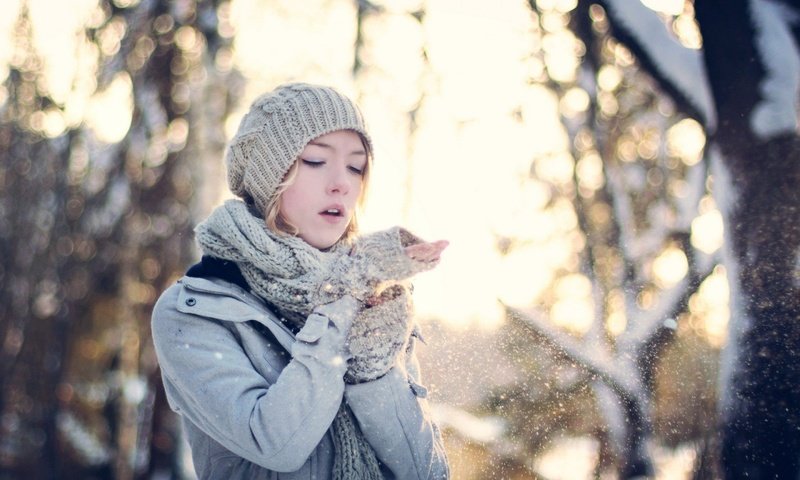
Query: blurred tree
[[633, 199], [753, 63], [92, 231], [742, 88]]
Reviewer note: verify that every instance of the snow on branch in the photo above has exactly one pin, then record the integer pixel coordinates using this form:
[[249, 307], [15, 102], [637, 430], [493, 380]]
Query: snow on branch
[[679, 69], [91, 448], [648, 322], [623, 209], [696, 187], [776, 113], [593, 362], [643, 325]]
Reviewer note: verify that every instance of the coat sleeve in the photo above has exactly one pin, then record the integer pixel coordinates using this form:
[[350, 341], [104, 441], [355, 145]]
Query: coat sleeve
[[211, 381], [393, 415]]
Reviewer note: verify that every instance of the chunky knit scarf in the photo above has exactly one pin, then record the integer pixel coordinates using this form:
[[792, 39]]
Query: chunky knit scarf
[[296, 277]]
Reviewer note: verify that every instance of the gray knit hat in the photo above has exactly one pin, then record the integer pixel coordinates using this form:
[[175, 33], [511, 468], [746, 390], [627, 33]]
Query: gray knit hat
[[277, 128]]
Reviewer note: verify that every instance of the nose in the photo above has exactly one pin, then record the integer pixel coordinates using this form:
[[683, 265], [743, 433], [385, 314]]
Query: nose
[[338, 181]]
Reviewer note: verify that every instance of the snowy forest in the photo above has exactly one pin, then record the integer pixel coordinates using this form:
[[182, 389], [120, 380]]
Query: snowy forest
[[619, 180]]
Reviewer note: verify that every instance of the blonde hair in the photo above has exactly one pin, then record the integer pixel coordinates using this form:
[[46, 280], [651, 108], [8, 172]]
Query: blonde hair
[[278, 224]]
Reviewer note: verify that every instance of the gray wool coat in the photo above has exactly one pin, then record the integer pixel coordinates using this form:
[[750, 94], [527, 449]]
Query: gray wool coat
[[257, 401]]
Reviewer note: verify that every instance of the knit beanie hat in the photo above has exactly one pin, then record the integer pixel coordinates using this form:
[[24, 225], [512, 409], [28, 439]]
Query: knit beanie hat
[[277, 128]]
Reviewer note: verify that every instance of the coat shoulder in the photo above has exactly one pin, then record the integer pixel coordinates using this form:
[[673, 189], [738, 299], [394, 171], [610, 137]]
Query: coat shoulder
[[199, 304], [210, 298]]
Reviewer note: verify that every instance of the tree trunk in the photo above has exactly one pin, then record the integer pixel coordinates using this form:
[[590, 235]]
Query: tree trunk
[[757, 186], [91, 233]]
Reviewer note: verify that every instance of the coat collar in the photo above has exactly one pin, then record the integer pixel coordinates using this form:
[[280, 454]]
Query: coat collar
[[222, 300]]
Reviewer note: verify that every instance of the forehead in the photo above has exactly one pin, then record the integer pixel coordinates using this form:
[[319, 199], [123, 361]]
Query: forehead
[[339, 139]]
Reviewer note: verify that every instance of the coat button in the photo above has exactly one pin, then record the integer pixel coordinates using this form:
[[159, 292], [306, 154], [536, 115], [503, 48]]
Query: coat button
[[191, 301]]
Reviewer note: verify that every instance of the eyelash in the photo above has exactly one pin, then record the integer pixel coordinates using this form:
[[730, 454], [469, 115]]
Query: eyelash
[[319, 163]]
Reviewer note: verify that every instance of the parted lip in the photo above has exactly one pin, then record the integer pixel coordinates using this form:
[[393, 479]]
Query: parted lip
[[334, 209]]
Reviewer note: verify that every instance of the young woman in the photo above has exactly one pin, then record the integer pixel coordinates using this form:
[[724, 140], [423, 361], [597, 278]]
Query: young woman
[[288, 351]]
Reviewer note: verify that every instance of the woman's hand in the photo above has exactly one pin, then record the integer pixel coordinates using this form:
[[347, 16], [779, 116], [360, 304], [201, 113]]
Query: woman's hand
[[426, 251]]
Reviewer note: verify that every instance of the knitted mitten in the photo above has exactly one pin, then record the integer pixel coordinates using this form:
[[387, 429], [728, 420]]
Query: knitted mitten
[[375, 261], [378, 335]]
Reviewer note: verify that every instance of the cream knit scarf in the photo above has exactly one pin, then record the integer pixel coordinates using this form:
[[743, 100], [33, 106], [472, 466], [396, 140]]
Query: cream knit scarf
[[295, 278], [284, 270]]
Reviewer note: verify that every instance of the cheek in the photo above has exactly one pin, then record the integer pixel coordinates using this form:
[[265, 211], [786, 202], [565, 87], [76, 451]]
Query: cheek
[[290, 200], [356, 186]]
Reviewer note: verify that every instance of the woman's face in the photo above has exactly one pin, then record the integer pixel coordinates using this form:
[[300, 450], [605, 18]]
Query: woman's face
[[321, 200]]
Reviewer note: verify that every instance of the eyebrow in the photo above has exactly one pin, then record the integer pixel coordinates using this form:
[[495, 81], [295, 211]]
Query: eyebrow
[[330, 147]]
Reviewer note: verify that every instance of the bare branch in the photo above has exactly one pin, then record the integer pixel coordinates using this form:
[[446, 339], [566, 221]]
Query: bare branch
[[679, 69], [605, 368]]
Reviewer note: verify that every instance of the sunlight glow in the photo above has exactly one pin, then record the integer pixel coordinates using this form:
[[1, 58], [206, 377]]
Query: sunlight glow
[[590, 171], [282, 40], [710, 304], [670, 267], [56, 39], [480, 170], [686, 140], [707, 228], [407, 65], [708, 231], [563, 6], [609, 77], [616, 320], [560, 49], [573, 309], [465, 174], [7, 21], [556, 168], [50, 122], [675, 464], [616, 323], [575, 101], [109, 113], [569, 459]]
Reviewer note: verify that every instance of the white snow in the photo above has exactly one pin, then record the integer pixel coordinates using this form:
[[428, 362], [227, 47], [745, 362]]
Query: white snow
[[623, 210], [777, 111], [725, 195], [617, 372], [608, 403], [134, 389], [682, 66], [696, 188], [85, 443], [479, 429], [796, 275], [643, 324], [569, 458]]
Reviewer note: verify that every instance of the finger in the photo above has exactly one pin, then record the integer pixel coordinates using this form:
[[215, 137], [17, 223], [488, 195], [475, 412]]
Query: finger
[[423, 254], [440, 245], [416, 251], [429, 257], [424, 247], [434, 250]]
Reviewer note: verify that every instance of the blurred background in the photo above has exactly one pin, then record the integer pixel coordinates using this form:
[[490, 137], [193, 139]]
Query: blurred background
[[575, 324]]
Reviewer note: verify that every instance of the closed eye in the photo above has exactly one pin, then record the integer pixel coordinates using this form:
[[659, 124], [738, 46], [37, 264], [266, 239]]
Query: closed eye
[[313, 163], [356, 170]]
